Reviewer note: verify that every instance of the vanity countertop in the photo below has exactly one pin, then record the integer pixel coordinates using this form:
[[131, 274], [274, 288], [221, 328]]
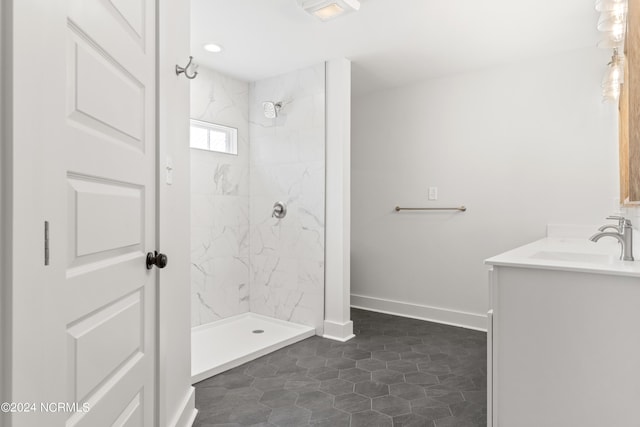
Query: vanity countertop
[[570, 254]]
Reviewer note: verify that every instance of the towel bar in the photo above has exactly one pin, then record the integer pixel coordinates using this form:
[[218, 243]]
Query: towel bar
[[461, 209]]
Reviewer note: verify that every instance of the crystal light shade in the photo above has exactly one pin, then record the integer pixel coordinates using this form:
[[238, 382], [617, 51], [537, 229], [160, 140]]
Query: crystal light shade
[[611, 94], [611, 41], [611, 5], [613, 78], [612, 23]]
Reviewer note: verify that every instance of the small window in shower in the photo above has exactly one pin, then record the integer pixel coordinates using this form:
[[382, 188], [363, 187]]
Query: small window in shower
[[213, 137]]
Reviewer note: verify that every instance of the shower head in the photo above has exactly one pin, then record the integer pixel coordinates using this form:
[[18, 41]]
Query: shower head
[[271, 109]]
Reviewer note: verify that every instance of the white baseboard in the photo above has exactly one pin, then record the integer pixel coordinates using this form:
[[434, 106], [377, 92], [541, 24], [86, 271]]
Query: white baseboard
[[187, 415], [334, 338], [338, 331], [445, 316]]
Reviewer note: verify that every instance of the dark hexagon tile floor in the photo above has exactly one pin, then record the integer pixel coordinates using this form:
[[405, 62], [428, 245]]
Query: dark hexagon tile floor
[[396, 372]]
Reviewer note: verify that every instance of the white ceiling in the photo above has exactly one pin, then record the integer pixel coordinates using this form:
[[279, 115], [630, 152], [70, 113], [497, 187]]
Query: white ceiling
[[391, 42]]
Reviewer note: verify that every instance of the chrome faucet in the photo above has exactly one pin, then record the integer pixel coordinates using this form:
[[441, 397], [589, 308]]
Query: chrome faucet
[[619, 228], [624, 235]]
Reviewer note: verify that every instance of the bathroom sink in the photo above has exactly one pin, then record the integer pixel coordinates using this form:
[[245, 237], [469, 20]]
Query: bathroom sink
[[574, 257], [569, 254]]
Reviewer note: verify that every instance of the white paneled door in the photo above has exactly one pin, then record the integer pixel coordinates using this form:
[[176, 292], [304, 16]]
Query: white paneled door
[[84, 129]]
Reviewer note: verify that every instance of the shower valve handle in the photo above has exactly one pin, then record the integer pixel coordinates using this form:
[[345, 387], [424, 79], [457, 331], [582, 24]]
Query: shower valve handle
[[279, 210]]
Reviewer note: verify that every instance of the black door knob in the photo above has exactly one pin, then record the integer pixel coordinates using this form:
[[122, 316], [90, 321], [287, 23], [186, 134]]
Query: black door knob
[[157, 259]]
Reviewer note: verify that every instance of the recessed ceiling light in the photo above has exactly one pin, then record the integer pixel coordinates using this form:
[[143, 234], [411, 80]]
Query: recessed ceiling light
[[329, 9], [212, 47]]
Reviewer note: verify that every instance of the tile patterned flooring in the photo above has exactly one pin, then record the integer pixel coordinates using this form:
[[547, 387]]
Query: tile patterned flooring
[[396, 372]]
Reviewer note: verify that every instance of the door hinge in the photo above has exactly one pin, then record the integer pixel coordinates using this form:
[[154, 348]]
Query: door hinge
[[46, 243]]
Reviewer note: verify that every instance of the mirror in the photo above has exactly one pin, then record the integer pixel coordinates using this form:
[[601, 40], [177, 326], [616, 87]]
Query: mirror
[[629, 109]]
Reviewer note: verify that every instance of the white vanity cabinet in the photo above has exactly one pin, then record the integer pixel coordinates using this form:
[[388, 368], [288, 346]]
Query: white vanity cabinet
[[564, 338]]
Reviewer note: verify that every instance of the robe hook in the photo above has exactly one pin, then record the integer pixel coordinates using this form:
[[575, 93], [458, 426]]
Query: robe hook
[[180, 70]]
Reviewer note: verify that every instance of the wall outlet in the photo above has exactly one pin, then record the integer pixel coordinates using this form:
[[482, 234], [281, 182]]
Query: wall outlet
[[433, 193]]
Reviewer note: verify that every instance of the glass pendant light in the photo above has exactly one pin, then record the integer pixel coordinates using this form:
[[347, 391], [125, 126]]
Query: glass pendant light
[[613, 78], [612, 23]]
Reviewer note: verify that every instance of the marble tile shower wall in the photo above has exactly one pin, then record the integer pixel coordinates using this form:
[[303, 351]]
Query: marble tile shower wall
[[220, 203], [287, 163]]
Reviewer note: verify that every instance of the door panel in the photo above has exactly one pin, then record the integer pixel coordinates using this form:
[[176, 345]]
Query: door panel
[[97, 83], [95, 139], [110, 212], [109, 218], [132, 415], [111, 31], [93, 361]]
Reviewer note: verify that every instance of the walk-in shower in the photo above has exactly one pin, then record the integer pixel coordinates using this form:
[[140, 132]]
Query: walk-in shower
[[257, 234]]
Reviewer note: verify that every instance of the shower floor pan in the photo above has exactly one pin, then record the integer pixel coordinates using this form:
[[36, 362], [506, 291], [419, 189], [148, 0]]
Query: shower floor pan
[[225, 344]]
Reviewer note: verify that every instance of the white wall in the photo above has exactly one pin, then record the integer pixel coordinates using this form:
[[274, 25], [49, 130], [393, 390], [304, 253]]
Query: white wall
[[220, 203], [288, 164], [521, 145]]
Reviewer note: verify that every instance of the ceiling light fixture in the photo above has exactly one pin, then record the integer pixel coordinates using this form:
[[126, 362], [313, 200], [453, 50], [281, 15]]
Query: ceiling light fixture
[[212, 47], [326, 10]]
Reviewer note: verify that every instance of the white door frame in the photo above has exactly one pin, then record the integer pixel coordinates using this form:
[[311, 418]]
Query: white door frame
[[175, 395], [5, 181]]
